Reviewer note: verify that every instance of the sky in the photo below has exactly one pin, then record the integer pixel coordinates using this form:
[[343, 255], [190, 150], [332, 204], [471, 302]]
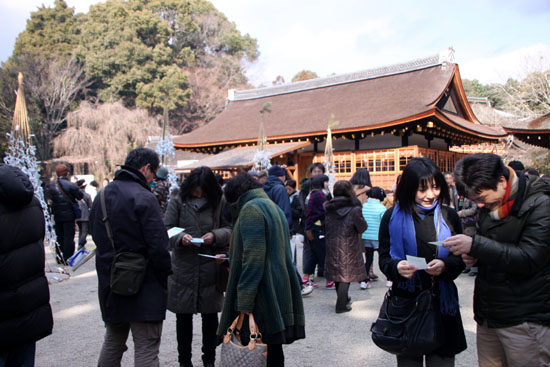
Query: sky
[[493, 40]]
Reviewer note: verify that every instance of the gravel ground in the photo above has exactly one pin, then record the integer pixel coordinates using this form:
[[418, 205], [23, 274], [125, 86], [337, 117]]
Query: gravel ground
[[331, 339]]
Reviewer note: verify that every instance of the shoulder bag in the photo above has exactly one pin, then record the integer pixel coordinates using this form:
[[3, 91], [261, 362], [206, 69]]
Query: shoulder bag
[[410, 327], [76, 206], [234, 354], [128, 268]]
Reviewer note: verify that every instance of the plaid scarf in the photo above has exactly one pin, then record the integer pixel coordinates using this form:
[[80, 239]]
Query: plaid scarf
[[509, 197]]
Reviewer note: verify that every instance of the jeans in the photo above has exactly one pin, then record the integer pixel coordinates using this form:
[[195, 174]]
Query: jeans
[[314, 252], [22, 356], [146, 337], [369, 256], [82, 233], [184, 334], [65, 236]]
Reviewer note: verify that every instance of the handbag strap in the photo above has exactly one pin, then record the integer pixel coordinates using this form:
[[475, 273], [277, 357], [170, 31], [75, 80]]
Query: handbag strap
[[63, 192], [237, 324], [106, 218], [404, 319]]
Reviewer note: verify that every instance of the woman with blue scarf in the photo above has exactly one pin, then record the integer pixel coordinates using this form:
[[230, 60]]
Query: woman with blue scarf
[[417, 218]]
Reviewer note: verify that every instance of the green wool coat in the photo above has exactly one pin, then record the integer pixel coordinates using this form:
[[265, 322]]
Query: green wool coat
[[262, 279]]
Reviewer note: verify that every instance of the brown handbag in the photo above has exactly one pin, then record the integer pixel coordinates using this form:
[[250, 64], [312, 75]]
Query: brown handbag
[[234, 354]]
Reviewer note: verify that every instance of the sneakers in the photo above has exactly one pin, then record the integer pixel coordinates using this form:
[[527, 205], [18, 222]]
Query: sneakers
[[365, 285], [330, 285], [306, 291], [373, 276], [308, 282], [389, 283]]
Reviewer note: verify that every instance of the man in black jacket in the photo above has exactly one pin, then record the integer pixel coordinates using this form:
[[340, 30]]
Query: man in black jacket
[[511, 248], [63, 195], [24, 294], [136, 222]]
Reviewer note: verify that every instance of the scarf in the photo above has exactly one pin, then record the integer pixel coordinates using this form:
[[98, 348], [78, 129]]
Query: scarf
[[509, 197], [403, 242]]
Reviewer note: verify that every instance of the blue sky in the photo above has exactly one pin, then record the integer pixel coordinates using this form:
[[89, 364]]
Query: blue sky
[[493, 40]]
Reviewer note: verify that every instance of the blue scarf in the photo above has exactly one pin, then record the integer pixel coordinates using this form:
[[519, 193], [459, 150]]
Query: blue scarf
[[403, 242]]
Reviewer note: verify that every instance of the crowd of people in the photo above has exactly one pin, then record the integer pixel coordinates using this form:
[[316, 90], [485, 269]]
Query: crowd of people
[[237, 248]]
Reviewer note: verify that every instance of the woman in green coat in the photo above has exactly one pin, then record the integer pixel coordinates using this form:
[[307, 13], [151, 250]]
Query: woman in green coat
[[192, 287], [262, 280]]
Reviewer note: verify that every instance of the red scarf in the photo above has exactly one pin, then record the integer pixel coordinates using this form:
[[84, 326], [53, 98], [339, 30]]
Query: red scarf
[[510, 196]]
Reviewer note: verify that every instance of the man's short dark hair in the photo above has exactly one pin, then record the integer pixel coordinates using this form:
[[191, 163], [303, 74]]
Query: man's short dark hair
[[516, 165], [480, 171], [317, 165], [291, 183], [139, 157], [238, 185]]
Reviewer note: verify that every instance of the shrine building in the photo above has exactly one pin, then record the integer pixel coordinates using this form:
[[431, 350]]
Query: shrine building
[[386, 116]]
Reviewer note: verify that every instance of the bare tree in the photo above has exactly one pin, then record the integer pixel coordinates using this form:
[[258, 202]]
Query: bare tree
[[52, 85], [98, 137], [530, 97]]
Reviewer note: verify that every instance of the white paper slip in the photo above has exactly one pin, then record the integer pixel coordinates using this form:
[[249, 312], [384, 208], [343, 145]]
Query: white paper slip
[[437, 243], [417, 262], [197, 240], [174, 231], [214, 257]]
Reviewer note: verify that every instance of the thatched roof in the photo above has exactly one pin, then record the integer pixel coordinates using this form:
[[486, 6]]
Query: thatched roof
[[368, 100]]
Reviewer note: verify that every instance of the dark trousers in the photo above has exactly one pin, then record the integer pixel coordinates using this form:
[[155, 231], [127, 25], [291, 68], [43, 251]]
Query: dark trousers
[[342, 297], [275, 355], [314, 252], [369, 256], [65, 236], [22, 356], [432, 360], [82, 233], [184, 334], [146, 336]]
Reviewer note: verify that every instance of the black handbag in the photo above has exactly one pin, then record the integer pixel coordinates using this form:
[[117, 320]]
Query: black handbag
[[128, 268], [410, 327]]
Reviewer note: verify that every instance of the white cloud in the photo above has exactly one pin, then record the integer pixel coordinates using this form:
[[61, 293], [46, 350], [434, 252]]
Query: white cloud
[[328, 51], [515, 64]]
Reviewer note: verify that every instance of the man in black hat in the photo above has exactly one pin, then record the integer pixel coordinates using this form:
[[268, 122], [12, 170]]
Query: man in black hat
[[275, 189]]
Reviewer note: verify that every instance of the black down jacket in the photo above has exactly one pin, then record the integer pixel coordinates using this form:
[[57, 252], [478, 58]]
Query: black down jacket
[[62, 206], [136, 221], [513, 282], [24, 294], [344, 224]]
